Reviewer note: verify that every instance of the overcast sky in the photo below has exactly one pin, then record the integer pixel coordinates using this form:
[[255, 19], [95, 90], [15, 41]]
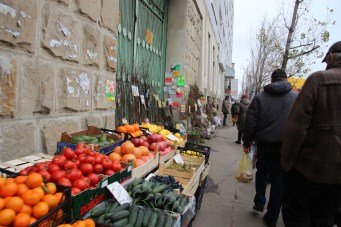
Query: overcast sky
[[248, 15]]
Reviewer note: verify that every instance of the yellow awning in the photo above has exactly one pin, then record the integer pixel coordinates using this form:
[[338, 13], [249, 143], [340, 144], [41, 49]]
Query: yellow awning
[[297, 83]]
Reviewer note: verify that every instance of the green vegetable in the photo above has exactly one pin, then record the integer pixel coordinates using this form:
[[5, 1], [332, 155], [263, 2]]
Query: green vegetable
[[153, 219], [96, 212], [160, 188], [146, 217], [77, 139], [161, 220], [101, 219], [124, 206], [121, 223], [169, 221], [133, 214], [120, 215], [176, 206], [137, 181], [139, 219], [183, 202]]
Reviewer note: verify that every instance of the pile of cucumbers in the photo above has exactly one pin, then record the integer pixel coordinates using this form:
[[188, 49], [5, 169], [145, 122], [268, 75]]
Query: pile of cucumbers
[[156, 195], [126, 215], [101, 140]]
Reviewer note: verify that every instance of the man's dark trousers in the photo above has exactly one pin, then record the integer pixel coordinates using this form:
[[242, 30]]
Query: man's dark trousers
[[225, 117], [269, 169], [309, 204]]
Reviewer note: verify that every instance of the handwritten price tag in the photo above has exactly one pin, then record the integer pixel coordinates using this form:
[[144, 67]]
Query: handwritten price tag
[[120, 194], [178, 159]]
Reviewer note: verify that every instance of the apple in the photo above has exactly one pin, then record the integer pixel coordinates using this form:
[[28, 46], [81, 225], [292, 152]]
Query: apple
[[153, 147], [168, 143], [161, 146], [136, 142], [159, 138], [144, 138], [146, 144], [167, 150]]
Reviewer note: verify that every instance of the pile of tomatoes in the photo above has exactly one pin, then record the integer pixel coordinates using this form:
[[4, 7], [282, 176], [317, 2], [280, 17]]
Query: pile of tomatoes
[[80, 168], [25, 199]]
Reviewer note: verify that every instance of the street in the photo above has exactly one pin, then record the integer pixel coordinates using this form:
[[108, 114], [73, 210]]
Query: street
[[227, 202]]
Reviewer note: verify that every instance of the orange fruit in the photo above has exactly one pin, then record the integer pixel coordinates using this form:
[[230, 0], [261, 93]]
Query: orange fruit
[[144, 150], [15, 203], [6, 217], [40, 192], [20, 179], [40, 209], [89, 222], [151, 155], [138, 163], [2, 180], [34, 180], [9, 180], [136, 127], [127, 147], [145, 158], [31, 197], [22, 219], [137, 152], [2, 203], [26, 209], [22, 188], [122, 129], [51, 187], [60, 197], [118, 150], [64, 225], [115, 156], [79, 224], [32, 220], [51, 200], [130, 128], [8, 189], [128, 158]]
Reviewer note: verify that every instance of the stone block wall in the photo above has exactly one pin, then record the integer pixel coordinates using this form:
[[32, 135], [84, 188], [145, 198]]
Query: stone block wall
[[55, 59]]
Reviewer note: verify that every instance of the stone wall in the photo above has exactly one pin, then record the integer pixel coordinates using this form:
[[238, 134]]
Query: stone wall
[[55, 59]]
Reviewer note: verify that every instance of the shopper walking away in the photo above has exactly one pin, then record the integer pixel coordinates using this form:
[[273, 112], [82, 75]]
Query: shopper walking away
[[243, 106], [265, 123], [225, 109], [235, 112], [311, 154]]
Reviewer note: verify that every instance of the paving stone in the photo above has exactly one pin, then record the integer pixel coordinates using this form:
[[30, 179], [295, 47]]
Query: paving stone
[[18, 23], [61, 34], [8, 75]]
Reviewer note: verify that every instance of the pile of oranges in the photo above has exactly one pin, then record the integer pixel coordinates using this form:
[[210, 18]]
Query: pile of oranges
[[133, 129], [25, 199], [81, 223]]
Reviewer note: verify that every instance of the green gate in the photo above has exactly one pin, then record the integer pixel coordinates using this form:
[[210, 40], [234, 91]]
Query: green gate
[[141, 59]]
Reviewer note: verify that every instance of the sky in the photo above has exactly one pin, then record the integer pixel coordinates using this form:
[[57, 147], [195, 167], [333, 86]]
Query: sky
[[249, 13]]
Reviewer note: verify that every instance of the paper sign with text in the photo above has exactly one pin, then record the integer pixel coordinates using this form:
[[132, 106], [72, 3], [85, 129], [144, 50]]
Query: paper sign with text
[[178, 159], [120, 194]]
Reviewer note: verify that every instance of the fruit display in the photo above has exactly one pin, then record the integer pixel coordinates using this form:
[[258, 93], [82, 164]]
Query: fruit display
[[156, 195], [168, 180], [159, 143], [81, 223], [113, 214], [80, 168], [101, 140], [186, 167], [133, 130], [134, 151], [191, 153], [152, 128], [25, 199]]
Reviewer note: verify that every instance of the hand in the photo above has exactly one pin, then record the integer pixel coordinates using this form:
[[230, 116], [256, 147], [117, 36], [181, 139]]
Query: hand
[[246, 150]]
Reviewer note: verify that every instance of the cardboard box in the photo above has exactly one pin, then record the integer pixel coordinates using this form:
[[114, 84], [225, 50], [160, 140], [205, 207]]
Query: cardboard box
[[146, 168], [66, 140]]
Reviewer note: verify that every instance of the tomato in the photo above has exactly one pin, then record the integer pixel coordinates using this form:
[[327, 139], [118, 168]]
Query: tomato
[[74, 174], [86, 168], [109, 172], [46, 175], [89, 152], [89, 159], [75, 191], [69, 153], [94, 179], [98, 159], [41, 167], [81, 157], [69, 165], [116, 166], [59, 160], [56, 176], [106, 163], [80, 149], [53, 168], [98, 168], [77, 162], [65, 182], [81, 184]]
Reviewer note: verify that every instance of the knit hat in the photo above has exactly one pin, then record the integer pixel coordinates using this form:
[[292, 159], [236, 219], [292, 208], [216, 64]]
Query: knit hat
[[335, 48]]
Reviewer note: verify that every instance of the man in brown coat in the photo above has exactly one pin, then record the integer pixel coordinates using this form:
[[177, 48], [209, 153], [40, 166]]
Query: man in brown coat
[[311, 152]]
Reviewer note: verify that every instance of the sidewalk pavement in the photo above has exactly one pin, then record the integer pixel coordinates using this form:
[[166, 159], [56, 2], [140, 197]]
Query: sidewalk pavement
[[227, 202]]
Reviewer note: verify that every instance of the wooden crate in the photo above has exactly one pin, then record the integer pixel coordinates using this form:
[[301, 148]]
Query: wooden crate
[[21, 163], [169, 155], [204, 173], [146, 168]]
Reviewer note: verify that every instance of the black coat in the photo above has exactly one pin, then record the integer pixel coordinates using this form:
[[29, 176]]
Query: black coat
[[243, 106], [268, 112]]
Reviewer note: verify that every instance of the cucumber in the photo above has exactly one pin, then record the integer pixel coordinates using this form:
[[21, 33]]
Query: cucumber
[[153, 219], [137, 181], [101, 219], [120, 215], [133, 214], [183, 202], [149, 197], [176, 206], [129, 225], [121, 223], [161, 220], [160, 188], [96, 212], [169, 221], [146, 217], [124, 206], [113, 207], [139, 219]]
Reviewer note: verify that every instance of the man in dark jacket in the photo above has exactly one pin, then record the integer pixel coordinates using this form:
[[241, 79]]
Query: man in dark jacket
[[235, 112], [311, 154], [242, 106], [225, 109], [265, 122]]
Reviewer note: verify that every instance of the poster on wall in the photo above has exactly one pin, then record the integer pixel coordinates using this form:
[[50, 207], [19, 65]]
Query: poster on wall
[[234, 88], [110, 90]]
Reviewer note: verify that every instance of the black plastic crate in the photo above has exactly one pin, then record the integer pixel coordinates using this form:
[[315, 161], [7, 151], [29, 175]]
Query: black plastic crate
[[205, 150], [6, 173], [199, 194]]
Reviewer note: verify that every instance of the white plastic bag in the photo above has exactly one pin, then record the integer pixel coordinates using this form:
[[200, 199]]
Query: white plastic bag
[[244, 172]]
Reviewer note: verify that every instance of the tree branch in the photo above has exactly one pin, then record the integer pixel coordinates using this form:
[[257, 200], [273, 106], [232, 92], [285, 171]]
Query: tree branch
[[304, 53], [301, 45]]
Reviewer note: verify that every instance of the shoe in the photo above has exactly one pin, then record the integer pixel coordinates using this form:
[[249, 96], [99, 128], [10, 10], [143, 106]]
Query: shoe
[[238, 142], [267, 222], [258, 208]]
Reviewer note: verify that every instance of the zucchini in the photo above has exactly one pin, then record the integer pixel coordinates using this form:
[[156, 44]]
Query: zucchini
[[146, 217], [121, 223], [160, 188], [153, 219], [133, 214], [139, 219], [161, 220], [124, 206], [120, 215], [169, 221]]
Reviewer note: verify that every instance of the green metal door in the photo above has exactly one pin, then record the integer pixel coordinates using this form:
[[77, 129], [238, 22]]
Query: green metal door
[[141, 59]]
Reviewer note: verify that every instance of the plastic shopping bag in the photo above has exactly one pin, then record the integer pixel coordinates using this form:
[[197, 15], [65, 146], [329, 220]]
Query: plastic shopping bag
[[253, 155], [244, 172]]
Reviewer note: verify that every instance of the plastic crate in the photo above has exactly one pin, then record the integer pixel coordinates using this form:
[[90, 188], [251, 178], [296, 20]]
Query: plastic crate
[[205, 150], [199, 194]]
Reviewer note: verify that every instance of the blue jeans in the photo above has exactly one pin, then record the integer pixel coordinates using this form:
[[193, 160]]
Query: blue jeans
[[225, 117], [269, 169]]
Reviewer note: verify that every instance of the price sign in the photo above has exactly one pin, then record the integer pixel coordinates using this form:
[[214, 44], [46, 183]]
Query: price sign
[[178, 159], [120, 194], [172, 137]]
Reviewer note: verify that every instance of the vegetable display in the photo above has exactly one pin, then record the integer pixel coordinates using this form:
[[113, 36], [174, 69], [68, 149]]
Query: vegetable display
[[100, 140], [168, 180], [186, 167]]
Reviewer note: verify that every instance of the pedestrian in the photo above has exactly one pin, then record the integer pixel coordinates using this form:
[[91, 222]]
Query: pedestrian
[[243, 106], [311, 153], [264, 124], [225, 109], [235, 112]]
